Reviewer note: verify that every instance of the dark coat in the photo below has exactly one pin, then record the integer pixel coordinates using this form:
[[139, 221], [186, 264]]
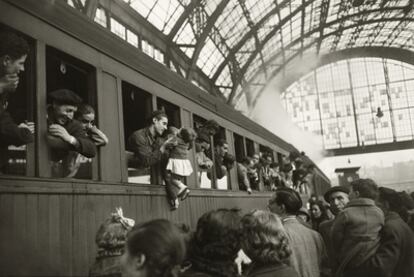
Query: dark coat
[[272, 271], [11, 134], [60, 149], [395, 256]]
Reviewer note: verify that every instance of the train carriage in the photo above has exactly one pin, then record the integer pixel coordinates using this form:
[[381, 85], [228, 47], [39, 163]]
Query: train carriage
[[48, 224]]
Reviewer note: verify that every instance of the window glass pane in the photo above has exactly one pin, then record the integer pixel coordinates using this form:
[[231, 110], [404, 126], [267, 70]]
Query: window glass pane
[[68, 78]]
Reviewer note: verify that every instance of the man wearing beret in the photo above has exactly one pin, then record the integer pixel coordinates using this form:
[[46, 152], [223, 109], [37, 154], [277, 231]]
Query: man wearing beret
[[65, 133], [338, 198]]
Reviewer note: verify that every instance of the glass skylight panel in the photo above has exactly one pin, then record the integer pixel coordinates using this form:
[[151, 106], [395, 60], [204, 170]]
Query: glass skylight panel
[[408, 71], [143, 7], [173, 18], [259, 8], [185, 35], [366, 129], [358, 73], [398, 95], [100, 17], [232, 24], [375, 71], [324, 79], [224, 79], [383, 128], [395, 71], [211, 5], [253, 67], [117, 28], [210, 57], [402, 124], [330, 133]]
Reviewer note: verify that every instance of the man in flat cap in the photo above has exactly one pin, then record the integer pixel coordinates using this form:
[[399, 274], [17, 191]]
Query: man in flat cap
[[13, 54], [66, 134], [338, 198]]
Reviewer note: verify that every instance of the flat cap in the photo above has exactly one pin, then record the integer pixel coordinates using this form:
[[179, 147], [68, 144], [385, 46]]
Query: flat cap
[[335, 189], [65, 97]]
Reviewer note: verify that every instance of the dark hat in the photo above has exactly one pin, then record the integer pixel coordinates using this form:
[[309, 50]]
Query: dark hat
[[335, 189], [203, 136], [287, 167], [65, 97]]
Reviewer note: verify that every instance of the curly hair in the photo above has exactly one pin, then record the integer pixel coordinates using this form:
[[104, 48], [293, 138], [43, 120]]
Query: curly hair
[[13, 45], [161, 242], [216, 242], [187, 134], [366, 187], [264, 238]]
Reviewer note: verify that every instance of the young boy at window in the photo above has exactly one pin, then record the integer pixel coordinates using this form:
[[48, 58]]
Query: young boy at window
[[66, 134]]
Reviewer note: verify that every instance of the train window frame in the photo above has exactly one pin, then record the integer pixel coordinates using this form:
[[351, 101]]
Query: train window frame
[[30, 96], [148, 103], [88, 95]]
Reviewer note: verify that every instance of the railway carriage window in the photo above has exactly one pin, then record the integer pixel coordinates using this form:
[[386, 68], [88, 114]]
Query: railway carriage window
[[223, 159], [17, 94], [239, 147], [250, 147], [172, 111], [203, 152], [137, 107], [70, 82]]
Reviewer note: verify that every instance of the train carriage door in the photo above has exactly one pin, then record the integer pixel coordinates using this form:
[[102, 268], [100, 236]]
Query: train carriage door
[[20, 105], [137, 108], [66, 72]]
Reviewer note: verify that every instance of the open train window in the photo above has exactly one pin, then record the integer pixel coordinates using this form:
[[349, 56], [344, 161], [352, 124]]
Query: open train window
[[137, 108], [265, 151], [203, 154], [18, 105], [250, 147], [67, 72], [222, 180], [239, 147], [172, 111]]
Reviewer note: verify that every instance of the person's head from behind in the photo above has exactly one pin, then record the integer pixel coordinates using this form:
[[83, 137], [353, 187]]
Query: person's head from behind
[[64, 103], [364, 188], [13, 53], [202, 142], [264, 239], [390, 200], [154, 249], [187, 134], [247, 162], [221, 147], [285, 201], [274, 166], [217, 237], [159, 122], [171, 131], [86, 116], [317, 209]]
